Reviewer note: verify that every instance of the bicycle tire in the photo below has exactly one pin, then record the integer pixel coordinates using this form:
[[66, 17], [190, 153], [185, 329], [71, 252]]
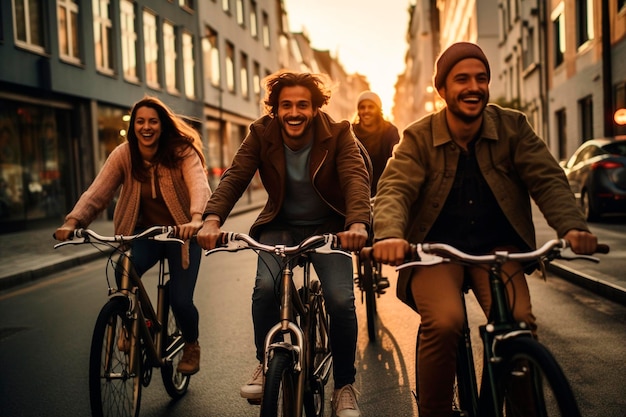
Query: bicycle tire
[[175, 383], [366, 276], [114, 389], [529, 369], [279, 396], [320, 362]]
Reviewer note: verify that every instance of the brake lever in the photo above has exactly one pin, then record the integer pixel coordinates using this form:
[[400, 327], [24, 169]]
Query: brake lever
[[568, 255], [331, 246], [165, 237]]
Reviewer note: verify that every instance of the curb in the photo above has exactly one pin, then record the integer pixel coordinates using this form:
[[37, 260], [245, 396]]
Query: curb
[[602, 288]]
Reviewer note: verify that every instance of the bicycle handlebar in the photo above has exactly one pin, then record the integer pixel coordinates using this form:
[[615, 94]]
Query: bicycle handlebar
[[233, 242], [160, 233], [436, 253]]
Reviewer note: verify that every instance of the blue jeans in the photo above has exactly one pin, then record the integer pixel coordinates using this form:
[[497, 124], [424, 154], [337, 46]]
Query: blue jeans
[[146, 253], [335, 275]]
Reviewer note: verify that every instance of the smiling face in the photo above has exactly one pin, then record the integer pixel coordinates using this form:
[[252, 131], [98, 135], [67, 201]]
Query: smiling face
[[466, 90], [147, 128], [369, 113], [295, 115]]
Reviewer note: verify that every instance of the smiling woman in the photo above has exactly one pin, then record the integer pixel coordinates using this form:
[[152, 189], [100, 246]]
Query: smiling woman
[[362, 35]]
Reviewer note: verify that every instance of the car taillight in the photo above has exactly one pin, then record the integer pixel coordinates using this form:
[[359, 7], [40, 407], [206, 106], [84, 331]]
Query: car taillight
[[606, 165]]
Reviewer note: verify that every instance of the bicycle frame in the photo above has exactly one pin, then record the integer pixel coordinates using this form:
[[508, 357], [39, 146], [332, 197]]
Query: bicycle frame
[[148, 324]]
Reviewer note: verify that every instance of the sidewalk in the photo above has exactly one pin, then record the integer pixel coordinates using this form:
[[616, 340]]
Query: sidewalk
[[30, 255]]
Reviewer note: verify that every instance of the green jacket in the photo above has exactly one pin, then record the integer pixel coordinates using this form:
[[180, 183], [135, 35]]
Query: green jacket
[[337, 172], [514, 161]]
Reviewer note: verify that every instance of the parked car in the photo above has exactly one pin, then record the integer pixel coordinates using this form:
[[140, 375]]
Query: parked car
[[597, 175]]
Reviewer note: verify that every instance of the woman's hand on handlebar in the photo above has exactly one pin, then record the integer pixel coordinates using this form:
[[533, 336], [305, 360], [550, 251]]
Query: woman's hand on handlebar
[[188, 230], [354, 238], [209, 234], [391, 251], [66, 231]]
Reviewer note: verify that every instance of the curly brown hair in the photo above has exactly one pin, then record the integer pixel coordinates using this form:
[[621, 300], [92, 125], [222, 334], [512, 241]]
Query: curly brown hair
[[275, 83]]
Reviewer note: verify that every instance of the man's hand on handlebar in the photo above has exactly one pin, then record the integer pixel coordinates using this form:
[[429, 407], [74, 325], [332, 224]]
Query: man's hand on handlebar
[[354, 238], [209, 234], [581, 242], [391, 251]]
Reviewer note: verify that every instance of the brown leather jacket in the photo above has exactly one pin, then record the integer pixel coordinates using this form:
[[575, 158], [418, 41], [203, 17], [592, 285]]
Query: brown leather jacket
[[336, 168]]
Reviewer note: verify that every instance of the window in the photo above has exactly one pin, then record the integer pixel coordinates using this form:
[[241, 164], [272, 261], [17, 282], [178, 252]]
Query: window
[[151, 49], [103, 35], [129, 40], [239, 12], [230, 67], [561, 133], [528, 47], [584, 21], [68, 30], [256, 81], [558, 29], [211, 56], [189, 65], [621, 4], [29, 23], [226, 5], [254, 29], [169, 56], [266, 30], [585, 108], [243, 75], [188, 4]]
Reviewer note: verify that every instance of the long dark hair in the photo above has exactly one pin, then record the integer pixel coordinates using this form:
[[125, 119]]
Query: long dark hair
[[275, 83], [176, 137]]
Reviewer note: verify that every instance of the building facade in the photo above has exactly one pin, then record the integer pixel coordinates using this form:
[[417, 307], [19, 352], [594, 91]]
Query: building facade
[[72, 69]]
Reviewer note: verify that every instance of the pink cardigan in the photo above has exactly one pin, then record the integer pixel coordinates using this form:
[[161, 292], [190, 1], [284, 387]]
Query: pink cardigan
[[185, 191]]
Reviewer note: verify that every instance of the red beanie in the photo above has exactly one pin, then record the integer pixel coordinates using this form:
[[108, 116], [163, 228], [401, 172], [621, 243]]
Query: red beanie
[[451, 56]]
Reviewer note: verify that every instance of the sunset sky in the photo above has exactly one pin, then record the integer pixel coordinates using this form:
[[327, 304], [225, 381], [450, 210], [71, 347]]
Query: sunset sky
[[366, 36]]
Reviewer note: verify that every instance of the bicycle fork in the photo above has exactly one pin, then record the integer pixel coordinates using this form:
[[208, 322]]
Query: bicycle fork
[[287, 326]]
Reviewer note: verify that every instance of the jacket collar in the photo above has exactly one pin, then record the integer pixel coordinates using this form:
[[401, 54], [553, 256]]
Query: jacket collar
[[441, 134]]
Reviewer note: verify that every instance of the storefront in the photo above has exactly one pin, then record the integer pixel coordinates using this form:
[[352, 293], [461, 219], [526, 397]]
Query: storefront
[[34, 158]]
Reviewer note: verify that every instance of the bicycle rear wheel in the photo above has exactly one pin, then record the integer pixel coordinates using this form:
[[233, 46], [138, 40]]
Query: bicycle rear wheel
[[320, 363], [114, 388], [531, 382], [366, 278], [279, 395], [175, 383]]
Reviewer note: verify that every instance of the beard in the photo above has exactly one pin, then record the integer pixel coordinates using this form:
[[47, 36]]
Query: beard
[[454, 107]]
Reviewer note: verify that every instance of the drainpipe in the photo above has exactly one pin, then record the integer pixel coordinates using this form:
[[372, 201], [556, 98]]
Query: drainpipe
[[607, 77]]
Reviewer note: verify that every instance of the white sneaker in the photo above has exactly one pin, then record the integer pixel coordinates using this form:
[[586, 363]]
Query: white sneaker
[[253, 390], [344, 402]]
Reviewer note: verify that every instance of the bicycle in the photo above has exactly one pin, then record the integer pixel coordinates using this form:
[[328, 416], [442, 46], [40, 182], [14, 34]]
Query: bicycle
[[513, 360], [130, 337], [297, 360], [372, 285]]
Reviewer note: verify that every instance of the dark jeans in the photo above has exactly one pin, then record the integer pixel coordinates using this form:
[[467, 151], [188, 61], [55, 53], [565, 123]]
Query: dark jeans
[[335, 274], [146, 253]]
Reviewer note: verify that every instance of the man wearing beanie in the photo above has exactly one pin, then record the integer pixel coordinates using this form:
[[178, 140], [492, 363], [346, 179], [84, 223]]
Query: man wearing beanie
[[376, 134], [464, 176]]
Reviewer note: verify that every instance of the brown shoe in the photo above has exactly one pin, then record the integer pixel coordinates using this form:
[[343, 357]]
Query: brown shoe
[[123, 341], [190, 362]]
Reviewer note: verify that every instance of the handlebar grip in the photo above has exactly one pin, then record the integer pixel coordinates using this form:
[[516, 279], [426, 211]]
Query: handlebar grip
[[602, 248], [366, 253]]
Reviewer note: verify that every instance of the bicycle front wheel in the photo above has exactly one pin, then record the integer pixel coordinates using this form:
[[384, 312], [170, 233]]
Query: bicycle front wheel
[[114, 388], [531, 382], [175, 383], [279, 393]]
